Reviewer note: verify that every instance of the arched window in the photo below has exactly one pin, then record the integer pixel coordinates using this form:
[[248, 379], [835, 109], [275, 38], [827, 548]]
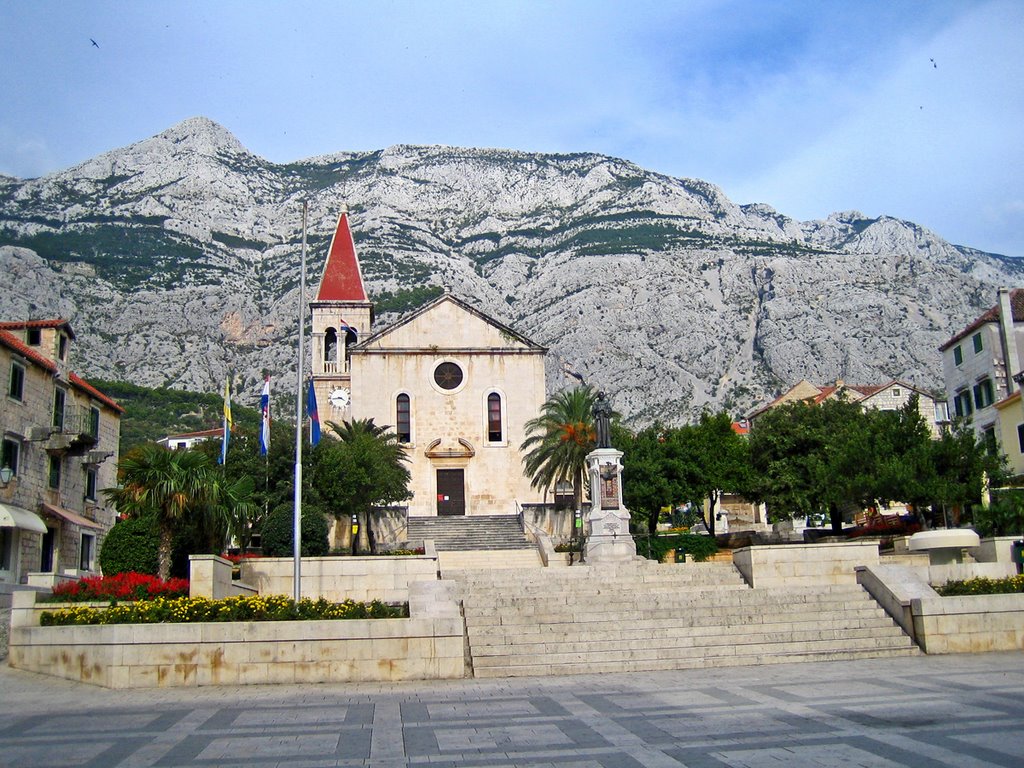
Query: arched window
[[403, 418], [331, 346], [495, 434]]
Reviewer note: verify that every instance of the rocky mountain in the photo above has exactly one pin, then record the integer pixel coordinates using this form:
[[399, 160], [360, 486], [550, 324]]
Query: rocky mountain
[[177, 260]]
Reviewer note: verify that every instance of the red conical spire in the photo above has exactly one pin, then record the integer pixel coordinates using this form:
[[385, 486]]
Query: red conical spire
[[342, 279]]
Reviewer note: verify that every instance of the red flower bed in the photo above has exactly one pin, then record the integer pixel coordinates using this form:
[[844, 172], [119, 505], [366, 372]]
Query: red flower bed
[[123, 586]]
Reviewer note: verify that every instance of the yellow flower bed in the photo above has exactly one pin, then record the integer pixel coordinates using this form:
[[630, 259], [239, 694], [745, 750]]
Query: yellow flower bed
[[195, 609], [982, 586]]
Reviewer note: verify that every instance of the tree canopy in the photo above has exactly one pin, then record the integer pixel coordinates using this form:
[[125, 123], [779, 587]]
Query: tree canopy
[[175, 487], [837, 456], [670, 466], [361, 469]]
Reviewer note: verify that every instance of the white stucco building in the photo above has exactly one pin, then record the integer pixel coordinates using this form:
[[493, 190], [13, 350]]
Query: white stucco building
[[979, 363]]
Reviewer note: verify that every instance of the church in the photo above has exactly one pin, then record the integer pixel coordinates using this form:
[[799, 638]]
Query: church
[[455, 385]]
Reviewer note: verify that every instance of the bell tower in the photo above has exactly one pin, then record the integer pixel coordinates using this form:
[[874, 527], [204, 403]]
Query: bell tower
[[341, 318]]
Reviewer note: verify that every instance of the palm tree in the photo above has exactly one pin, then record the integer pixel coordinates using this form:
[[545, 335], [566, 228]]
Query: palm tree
[[559, 440], [170, 485]]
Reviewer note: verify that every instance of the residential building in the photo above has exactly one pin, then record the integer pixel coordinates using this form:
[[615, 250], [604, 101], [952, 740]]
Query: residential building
[[60, 440], [979, 363], [890, 396], [456, 385], [185, 441], [1010, 433]]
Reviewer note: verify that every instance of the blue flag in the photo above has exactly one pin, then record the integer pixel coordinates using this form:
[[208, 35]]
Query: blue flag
[[314, 415], [265, 426]]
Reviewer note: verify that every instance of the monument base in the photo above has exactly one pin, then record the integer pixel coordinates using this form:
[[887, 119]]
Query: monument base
[[607, 524]]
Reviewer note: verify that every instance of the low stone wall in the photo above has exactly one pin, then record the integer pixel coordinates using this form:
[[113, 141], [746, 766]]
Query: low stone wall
[[940, 574], [966, 624], [165, 655], [969, 624], [341, 578], [996, 550], [210, 576], [804, 565]]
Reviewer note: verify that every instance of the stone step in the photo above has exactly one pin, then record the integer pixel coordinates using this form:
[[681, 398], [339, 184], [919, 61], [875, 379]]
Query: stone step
[[646, 571], [475, 532], [533, 645], [540, 591], [505, 559], [696, 662], [589, 623], [567, 632], [708, 647], [725, 601], [533, 582]]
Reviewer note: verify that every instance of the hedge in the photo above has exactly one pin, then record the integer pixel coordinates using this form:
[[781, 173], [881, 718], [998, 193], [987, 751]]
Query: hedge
[[277, 534], [130, 546], [698, 548]]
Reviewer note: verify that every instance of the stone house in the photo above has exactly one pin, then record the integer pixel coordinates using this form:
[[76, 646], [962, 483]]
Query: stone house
[[980, 363], [890, 396], [60, 443], [456, 385]]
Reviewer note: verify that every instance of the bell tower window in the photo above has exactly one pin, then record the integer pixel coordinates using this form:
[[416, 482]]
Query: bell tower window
[[330, 350]]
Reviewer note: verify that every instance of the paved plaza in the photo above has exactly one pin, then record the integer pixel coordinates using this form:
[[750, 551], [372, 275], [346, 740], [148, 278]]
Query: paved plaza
[[960, 711]]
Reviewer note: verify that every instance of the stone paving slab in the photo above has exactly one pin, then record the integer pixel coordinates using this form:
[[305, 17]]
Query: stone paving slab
[[963, 711]]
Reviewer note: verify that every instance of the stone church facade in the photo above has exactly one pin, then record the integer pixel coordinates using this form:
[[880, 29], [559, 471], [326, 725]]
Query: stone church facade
[[456, 386]]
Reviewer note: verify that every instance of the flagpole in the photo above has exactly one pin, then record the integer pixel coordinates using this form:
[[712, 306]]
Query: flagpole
[[297, 547]]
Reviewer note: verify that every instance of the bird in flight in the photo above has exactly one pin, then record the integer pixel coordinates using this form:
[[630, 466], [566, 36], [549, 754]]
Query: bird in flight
[[934, 65], [94, 42]]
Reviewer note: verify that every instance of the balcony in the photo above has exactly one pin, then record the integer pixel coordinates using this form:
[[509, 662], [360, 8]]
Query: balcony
[[78, 431]]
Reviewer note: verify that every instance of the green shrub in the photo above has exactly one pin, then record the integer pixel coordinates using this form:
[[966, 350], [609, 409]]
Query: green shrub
[[1003, 517], [982, 586], [698, 548], [277, 534], [131, 545], [187, 610]]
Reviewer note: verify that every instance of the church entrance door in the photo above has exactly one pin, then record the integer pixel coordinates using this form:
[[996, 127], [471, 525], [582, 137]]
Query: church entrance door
[[451, 492]]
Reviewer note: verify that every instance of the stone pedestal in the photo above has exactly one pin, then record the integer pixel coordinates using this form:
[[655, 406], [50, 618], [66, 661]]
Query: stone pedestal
[[607, 524]]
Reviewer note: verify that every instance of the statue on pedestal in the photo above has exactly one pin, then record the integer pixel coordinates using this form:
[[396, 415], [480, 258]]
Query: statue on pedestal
[[602, 412], [607, 522]]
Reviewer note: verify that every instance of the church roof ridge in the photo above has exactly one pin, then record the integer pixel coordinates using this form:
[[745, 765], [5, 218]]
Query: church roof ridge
[[447, 296], [342, 279]]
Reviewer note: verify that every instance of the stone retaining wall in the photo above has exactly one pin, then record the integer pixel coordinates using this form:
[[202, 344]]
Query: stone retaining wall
[[165, 655], [965, 624], [341, 578], [804, 565]]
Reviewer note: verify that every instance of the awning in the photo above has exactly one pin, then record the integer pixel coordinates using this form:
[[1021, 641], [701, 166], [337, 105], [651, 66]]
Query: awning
[[16, 517], [72, 517]]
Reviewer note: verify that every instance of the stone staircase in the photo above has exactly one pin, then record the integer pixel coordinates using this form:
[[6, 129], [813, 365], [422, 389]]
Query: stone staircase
[[640, 617], [476, 532], [476, 542]]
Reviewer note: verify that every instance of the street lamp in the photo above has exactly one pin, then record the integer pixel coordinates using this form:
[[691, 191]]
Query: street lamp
[[6, 473]]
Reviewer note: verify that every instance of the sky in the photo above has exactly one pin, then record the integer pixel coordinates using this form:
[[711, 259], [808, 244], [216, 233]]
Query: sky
[[912, 109]]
